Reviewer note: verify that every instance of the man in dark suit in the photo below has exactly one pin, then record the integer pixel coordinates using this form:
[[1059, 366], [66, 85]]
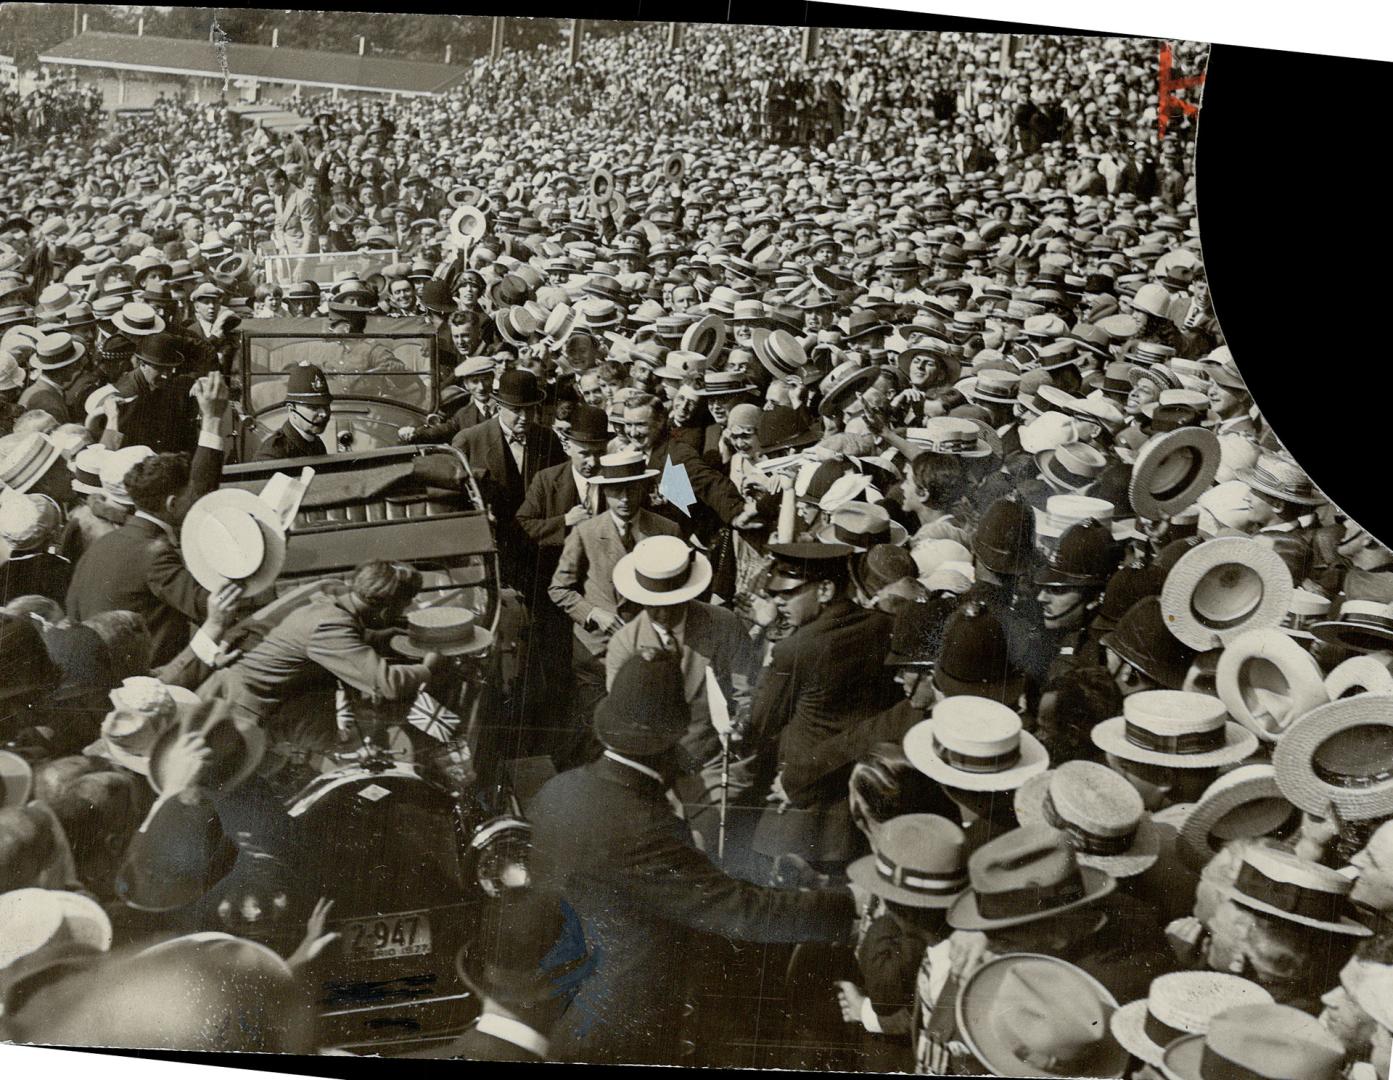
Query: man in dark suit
[[154, 395], [827, 676], [475, 375], [210, 328], [138, 567], [525, 960], [307, 401], [583, 585], [505, 453], [558, 499], [605, 837], [57, 361]]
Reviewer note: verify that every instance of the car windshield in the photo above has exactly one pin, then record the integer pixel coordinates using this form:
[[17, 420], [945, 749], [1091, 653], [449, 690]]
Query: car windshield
[[330, 266], [395, 369]]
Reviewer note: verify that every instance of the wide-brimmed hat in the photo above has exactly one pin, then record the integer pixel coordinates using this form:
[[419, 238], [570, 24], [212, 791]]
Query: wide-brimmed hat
[[1026, 1014], [623, 467], [1243, 804], [662, 571], [646, 711], [1223, 588], [1178, 1004], [1340, 754], [138, 320], [449, 631], [1257, 1042], [1099, 812], [142, 709], [234, 535], [949, 366], [953, 435], [707, 336], [1023, 876], [1072, 467], [1267, 681], [1361, 625], [56, 351], [920, 861], [1172, 470], [235, 746], [782, 355], [1176, 728], [1279, 882], [862, 525], [783, 428], [519, 390], [844, 382], [976, 744]]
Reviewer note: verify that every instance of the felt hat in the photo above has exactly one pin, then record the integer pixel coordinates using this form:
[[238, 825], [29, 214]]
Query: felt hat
[[1257, 1042], [797, 564], [235, 746], [1172, 470], [519, 389], [662, 571], [1178, 1004], [1026, 1014], [1023, 876], [1099, 812], [1223, 588], [976, 744], [862, 525], [623, 467], [1268, 681], [1245, 803], [1279, 882], [920, 861], [1003, 540], [232, 534], [449, 631], [529, 945], [1175, 728], [1340, 754], [646, 710]]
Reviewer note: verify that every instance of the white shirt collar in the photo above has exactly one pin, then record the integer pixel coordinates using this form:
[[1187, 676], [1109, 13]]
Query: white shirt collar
[[620, 526], [513, 1031], [582, 484], [636, 765], [164, 526]]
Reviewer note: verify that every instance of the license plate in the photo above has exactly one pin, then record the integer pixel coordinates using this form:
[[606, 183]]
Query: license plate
[[387, 936]]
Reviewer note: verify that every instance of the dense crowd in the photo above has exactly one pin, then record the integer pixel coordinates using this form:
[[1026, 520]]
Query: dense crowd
[[56, 104], [910, 585]]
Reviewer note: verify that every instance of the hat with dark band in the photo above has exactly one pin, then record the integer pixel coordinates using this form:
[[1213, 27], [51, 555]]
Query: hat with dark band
[[1340, 754], [1179, 1004], [976, 744], [1282, 883], [623, 467], [1023, 876], [920, 861], [1175, 728], [1256, 1042]]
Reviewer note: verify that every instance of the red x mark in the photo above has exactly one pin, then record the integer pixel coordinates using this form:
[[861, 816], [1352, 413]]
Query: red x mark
[[1169, 85]]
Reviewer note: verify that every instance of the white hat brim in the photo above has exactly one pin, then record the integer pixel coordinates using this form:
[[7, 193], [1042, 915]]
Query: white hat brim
[[918, 748], [1139, 857], [1110, 736], [1177, 593], [479, 640], [1364, 674], [1128, 1027], [273, 536], [1305, 685], [1147, 502]]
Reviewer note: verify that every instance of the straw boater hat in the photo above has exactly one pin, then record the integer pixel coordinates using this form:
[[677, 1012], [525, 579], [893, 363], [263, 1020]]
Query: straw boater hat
[[1257, 1042], [951, 435], [1023, 876], [1361, 625], [233, 535], [1026, 1014], [1223, 588], [1172, 470], [920, 861], [1360, 675], [1277, 475], [1281, 883], [1179, 1004], [707, 337], [1099, 812], [975, 744], [1174, 728], [1243, 804], [1304, 608], [1267, 681], [662, 571], [862, 525], [449, 631], [623, 467], [1340, 754]]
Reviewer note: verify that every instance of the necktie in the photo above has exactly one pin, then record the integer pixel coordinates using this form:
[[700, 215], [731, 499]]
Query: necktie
[[626, 537]]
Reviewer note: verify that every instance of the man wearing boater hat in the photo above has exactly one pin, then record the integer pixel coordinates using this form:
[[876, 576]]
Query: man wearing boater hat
[[307, 401]]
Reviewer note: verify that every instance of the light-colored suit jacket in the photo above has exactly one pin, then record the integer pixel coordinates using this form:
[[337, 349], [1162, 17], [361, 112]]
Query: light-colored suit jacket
[[584, 578], [297, 222]]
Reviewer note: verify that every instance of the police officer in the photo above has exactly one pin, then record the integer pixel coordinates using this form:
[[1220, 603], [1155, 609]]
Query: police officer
[[307, 397]]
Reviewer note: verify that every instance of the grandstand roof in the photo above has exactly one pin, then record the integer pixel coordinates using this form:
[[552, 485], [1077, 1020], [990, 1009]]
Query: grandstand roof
[[310, 67]]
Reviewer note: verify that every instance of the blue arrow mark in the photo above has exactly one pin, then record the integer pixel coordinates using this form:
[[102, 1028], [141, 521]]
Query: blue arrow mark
[[676, 487]]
